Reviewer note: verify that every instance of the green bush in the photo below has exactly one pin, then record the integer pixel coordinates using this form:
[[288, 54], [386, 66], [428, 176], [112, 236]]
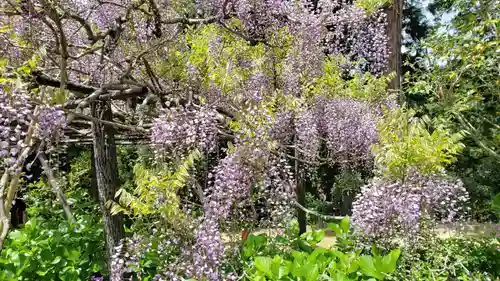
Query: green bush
[[458, 258], [47, 247], [311, 263], [48, 250]]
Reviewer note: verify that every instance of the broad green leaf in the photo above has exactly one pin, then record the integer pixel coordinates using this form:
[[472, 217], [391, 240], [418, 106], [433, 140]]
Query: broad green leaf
[[278, 269], [264, 264], [56, 260], [345, 224], [74, 255], [41, 272], [319, 235], [389, 262], [368, 267]]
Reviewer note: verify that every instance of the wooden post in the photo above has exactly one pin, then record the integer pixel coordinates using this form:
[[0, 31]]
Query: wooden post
[[106, 170], [394, 32]]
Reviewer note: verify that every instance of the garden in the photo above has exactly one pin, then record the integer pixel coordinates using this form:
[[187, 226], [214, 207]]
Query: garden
[[253, 140]]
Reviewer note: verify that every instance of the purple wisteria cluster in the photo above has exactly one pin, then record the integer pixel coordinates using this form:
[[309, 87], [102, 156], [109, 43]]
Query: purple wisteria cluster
[[125, 260], [257, 86], [280, 128], [83, 22], [261, 18], [277, 190], [15, 118], [237, 180], [184, 260], [232, 181], [250, 171], [209, 251], [386, 210], [347, 128], [51, 124], [308, 133], [182, 129], [359, 37], [338, 27]]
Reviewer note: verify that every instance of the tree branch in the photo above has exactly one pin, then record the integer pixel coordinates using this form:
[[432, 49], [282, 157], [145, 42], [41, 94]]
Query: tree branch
[[79, 89], [311, 212], [110, 123], [55, 187]]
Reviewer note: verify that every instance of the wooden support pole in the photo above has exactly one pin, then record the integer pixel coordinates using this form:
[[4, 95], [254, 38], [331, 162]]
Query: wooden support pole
[[394, 32], [106, 170]]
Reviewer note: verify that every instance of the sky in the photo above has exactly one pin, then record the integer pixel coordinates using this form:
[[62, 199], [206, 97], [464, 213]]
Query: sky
[[445, 18]]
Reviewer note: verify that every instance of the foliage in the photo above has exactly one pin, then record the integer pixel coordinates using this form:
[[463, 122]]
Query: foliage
[[270, 77], [405, 143], [53, 250], [319, 263], [372, 5], [463, 258], [457, 86], [496, 203], [47, 247], [77, 182], [345, 188], [156, 189], [361, 86]]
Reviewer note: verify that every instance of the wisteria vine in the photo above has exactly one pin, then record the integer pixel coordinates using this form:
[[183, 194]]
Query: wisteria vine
[[386, 210]]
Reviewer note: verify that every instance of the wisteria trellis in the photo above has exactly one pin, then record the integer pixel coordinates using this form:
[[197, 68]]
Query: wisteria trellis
[[111, 52]]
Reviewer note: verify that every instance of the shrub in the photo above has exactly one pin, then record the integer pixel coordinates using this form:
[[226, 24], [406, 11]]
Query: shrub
[[52, 251]]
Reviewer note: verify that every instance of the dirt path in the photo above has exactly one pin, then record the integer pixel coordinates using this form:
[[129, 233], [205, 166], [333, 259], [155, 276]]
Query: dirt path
[[444, 231]]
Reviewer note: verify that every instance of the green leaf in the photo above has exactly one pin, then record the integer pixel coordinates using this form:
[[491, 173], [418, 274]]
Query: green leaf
[[389, 262], [56, 260], [312, 272], [345, 224], [46, 255], [263, 264], [41, 273], [319, 235], [496, 202], [278, 270], [18, 236], [375, 251], [335, 227], [74, 255], [367, 266]]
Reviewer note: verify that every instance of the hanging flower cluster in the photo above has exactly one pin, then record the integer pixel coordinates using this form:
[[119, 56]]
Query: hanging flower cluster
[[51, 123], [250, 171], [16, 115], [125, 259], [386, 210], [359, 37], [280, 130], [179, 130], [308, 133], [347, 128], [209, 251], [15, 118]]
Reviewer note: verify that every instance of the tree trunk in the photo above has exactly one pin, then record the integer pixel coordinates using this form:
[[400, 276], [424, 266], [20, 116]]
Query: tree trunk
[[107, 175], [394, 31]]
